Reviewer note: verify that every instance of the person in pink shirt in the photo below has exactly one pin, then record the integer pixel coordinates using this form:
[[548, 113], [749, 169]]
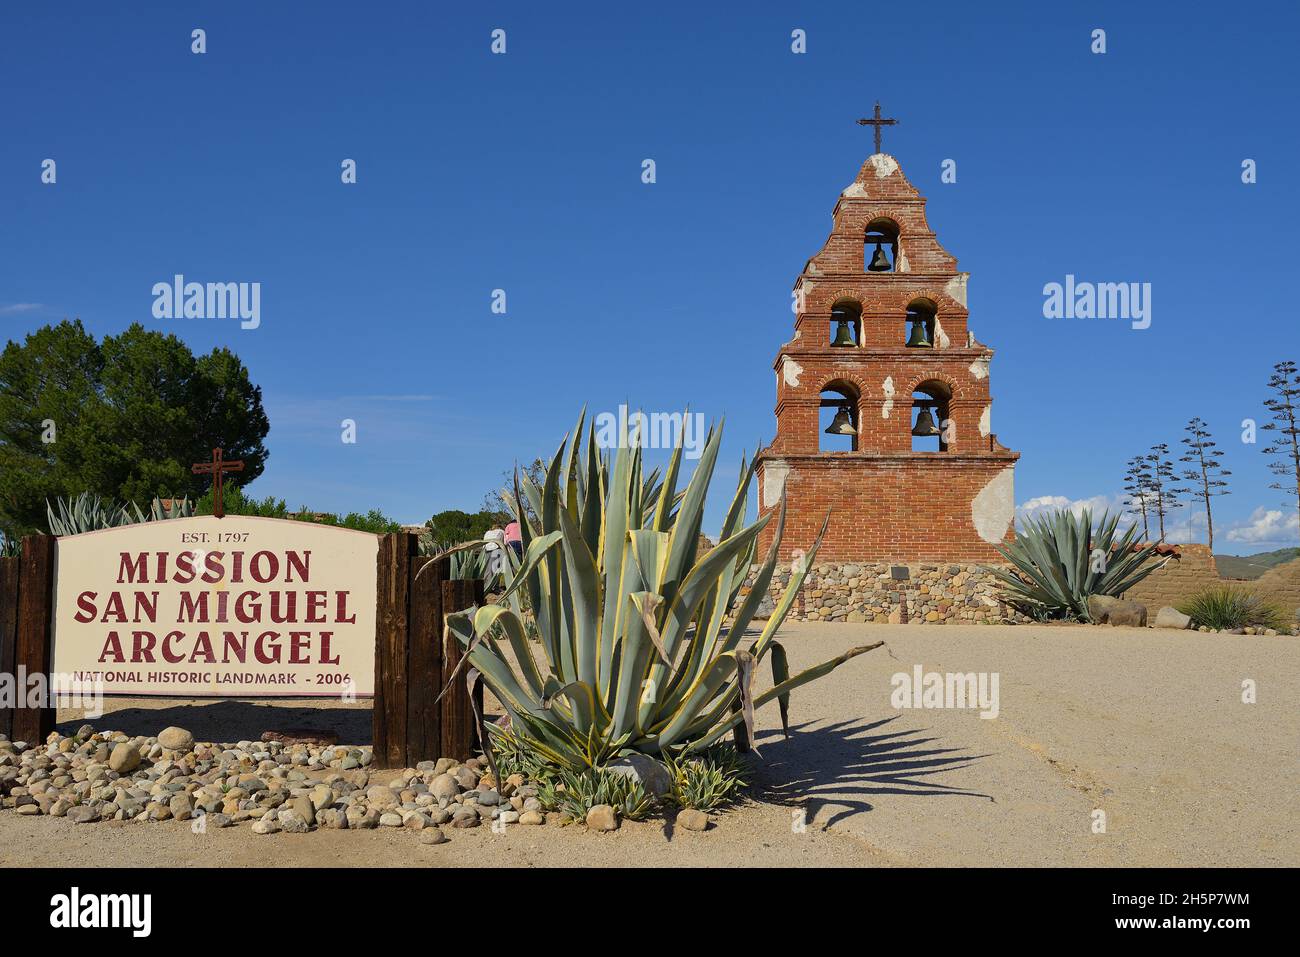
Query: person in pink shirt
[[513, 539]]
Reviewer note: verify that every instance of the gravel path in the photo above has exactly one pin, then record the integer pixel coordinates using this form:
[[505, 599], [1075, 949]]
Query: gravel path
[[1146, 726]]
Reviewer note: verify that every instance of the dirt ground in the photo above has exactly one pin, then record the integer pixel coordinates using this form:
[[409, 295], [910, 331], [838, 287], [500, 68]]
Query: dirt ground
[[1146, 726]]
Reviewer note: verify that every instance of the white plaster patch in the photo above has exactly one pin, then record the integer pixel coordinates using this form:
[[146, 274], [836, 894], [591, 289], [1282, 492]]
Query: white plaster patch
[[980, 367], [903, 264], [956, 287], [985, 419], [994, 507], [774, 476], [790, 371], [883, 164], [887, 387], [854, 190], [940, 337]]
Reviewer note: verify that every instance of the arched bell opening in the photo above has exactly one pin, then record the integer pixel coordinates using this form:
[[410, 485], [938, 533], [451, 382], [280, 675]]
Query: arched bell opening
[[921, 314], [880, 249], [931, 424], [838, 418], [846, 323]]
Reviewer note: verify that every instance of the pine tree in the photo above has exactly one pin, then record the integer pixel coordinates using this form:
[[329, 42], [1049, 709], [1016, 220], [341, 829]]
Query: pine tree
[[1285, 408], [1163, 488], [1205, 473], [1137, 484]]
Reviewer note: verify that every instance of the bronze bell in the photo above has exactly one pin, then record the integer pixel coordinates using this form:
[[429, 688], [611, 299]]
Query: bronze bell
[[878, 261], [925, 423], [842, 423], [843, 335], [918, 339]]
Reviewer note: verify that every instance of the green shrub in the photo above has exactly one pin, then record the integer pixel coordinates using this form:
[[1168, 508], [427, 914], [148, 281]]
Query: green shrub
[[574, 793], [514, 756], [1228, 607], [1059, 560], [235, 502], [712, 780]]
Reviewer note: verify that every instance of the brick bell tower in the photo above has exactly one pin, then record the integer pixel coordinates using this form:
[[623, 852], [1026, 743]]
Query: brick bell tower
[[883, 407]]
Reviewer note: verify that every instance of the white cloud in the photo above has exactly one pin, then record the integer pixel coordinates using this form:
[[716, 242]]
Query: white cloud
[[1267, 527], [17, 308], [1050, 503]]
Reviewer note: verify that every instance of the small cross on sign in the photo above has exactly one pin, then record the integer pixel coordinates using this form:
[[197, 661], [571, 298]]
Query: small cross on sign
[[217, 469], [877, 122]]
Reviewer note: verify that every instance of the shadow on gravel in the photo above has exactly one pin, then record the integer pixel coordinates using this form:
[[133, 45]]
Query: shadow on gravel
[[225, 722], [840, 765]]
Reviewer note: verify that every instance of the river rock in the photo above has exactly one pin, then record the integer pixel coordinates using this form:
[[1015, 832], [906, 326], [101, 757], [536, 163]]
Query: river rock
[[1168, 617], [693, 820], [652, 775], [1105, 610], [382, 797], [444, 787], [124, 758], [601, 817], [175, 739]]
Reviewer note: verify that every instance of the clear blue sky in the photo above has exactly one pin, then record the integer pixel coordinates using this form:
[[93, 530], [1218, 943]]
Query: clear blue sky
[[523, 172]]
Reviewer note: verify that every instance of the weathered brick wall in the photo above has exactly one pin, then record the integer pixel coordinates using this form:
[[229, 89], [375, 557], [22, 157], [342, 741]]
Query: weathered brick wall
[[929, 594], [1178, 580], [890, 508], [1281, 585]]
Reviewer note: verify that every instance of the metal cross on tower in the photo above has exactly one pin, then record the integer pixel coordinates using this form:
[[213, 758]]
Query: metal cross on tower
[[877, 122]]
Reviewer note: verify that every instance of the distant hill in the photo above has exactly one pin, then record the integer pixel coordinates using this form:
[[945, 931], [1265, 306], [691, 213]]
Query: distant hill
[[1252, 566]]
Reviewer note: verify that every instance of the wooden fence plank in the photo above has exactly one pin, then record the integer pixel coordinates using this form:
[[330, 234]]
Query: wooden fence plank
[[35, 613], [424, 661], [459, 733], [392, 626], [8, 630]]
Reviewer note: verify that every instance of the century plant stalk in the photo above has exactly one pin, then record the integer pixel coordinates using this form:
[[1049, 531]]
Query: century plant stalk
[[1206, 472], [644, 643], [1285, 382]]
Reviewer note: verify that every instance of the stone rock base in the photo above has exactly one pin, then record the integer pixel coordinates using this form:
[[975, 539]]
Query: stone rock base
[[931, 594]]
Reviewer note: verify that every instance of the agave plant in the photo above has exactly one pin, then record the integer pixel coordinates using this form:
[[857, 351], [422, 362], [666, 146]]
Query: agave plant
[[88, 513], [642, 641], [84, 513], [1059, 560]]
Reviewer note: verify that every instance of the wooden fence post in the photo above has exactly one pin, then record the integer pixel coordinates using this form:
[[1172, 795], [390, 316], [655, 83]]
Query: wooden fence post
[[392, 640], [459, 733], [33, 649], [411, 662], [8, 630], [424, 661]]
